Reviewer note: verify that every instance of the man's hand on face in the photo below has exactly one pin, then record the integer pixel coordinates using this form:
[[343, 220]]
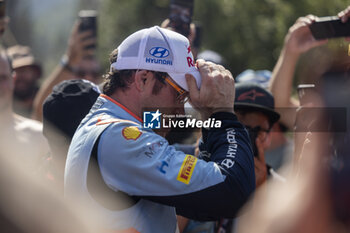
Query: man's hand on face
[[217, 92]]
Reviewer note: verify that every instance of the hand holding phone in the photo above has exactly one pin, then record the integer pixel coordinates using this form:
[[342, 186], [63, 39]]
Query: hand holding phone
[[180, 16], [329, 27], [88, 22], [82, 40]]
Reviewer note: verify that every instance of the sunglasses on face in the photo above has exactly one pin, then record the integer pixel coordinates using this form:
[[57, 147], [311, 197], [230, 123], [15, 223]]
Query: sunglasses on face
[[182, 95]]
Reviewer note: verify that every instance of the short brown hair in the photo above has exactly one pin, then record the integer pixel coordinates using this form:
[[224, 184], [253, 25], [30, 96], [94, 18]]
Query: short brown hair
[[121, 79], [117, 79]]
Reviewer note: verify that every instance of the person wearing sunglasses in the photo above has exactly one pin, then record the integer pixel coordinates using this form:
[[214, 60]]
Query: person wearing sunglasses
[[254, 107], [121, 166]]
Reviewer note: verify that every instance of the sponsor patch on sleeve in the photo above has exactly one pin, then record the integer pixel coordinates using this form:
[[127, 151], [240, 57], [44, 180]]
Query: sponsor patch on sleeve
[[186, 169], [131, 133]]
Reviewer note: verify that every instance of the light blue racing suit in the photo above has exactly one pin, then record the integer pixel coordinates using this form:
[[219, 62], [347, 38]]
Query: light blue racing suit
[[134, 180]]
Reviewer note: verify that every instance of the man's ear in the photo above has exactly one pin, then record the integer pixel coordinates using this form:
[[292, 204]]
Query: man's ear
[[142, 78]]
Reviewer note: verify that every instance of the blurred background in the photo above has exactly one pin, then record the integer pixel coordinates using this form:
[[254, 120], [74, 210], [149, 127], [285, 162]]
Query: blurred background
[[247, 33]]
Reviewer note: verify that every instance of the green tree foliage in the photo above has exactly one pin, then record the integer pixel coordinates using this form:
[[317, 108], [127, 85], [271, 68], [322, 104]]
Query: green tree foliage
[[248, 33], [118, 19]]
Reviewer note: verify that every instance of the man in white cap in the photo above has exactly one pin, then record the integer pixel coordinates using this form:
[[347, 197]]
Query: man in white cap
[[129, 174]]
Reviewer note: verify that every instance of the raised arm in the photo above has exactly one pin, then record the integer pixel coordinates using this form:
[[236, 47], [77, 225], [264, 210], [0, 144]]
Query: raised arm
[[297, 41], [67, 68]]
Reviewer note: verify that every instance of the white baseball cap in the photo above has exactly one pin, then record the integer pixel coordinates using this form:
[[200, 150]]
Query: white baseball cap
[[158, 49]]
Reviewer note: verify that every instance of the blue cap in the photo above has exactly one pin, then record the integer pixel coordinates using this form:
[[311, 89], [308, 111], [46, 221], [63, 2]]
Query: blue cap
[[261, 77], [209, 55]]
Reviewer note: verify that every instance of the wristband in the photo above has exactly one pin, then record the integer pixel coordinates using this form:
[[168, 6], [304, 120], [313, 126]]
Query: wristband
[[66, 66]]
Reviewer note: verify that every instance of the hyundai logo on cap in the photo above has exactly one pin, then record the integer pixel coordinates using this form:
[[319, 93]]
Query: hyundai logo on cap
[[159, 52]]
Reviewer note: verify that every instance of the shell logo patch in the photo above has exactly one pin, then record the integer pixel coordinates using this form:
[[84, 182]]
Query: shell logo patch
[[131, 133]]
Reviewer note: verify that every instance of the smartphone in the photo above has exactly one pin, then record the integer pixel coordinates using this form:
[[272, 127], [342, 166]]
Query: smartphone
[[329, 27], [305, 93], [180, 16], [88, 22]]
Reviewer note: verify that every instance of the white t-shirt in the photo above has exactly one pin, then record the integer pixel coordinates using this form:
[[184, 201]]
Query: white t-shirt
[[22, 139]]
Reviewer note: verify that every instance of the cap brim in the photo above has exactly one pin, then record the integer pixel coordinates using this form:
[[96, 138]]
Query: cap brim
[[25, 61], [273, 116], [180, 79]]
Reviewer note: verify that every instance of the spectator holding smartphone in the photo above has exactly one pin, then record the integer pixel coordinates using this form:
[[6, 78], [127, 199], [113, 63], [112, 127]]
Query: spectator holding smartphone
[[298, 41], [78, 62], [180, 20], [316, 198]]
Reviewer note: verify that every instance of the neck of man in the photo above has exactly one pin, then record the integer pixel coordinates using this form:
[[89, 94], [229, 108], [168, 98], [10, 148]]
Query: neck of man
[[130, 100]]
